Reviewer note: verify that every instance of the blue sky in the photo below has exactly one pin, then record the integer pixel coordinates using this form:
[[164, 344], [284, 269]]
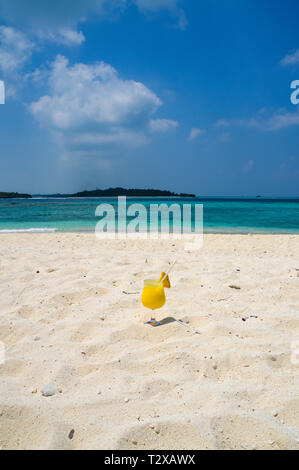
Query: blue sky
[[191, 96]]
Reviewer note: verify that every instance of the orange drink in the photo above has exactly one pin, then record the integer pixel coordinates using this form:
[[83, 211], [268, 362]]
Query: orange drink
[[153, 295]]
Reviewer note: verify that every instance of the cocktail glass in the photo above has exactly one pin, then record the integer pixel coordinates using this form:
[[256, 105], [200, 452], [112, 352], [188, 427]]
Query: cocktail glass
[[153, 297]]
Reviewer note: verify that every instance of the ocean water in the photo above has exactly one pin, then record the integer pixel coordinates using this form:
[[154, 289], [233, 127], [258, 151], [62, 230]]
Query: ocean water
[[221, 215]]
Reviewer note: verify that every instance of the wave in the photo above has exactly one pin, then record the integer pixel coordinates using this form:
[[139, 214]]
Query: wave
[[29, 230]]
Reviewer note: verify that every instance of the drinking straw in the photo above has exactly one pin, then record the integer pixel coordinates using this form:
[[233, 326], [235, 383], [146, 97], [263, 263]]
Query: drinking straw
[[170, 268]]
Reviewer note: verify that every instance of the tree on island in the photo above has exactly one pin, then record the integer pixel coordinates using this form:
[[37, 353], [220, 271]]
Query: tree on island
[[5, 195]]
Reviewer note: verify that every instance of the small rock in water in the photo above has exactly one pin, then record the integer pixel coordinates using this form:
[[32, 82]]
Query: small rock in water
[[71, 434], [49, 390]]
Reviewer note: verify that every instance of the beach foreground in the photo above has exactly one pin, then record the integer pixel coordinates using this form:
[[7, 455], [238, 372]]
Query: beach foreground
[[70, 313]]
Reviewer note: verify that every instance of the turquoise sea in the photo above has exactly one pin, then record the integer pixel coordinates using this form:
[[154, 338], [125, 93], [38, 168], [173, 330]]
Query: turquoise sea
[[221, 215]]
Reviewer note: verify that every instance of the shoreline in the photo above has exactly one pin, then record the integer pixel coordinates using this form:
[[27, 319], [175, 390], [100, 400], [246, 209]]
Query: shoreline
[[41, 231]]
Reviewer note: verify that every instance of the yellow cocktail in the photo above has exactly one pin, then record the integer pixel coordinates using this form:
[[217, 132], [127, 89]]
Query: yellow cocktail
[[153, 295]]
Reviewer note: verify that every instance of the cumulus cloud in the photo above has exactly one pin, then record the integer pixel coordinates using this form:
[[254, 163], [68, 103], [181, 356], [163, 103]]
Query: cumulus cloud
[[195, 132], [91, 110], [162, 125], [291, 59], [15, 49]]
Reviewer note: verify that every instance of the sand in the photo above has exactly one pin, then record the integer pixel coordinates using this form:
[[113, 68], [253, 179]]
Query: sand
[[70, 313]]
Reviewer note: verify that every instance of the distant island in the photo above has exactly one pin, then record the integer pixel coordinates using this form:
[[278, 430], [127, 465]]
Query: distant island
[[110, 192], [14, 195], [114, 192]]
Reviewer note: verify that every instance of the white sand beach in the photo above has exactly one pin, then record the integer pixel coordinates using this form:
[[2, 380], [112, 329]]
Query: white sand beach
[[70, 313]]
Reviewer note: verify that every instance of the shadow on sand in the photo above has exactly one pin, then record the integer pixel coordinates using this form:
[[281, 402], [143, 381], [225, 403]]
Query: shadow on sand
[[167, 320]]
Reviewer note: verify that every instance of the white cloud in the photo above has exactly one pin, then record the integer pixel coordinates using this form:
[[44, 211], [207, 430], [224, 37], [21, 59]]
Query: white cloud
[[278, 120], [44, 13], [58, 21], [162, 125], [291, 59], [195, 132], [67, 37], [15, 49], [92, 111], [281, 120]]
